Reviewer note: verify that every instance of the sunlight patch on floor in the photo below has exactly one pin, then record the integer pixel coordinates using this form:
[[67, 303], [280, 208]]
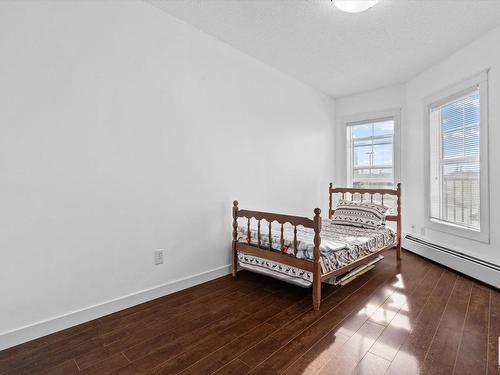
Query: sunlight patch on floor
[[400, 283], [368, 310], [402, 321]]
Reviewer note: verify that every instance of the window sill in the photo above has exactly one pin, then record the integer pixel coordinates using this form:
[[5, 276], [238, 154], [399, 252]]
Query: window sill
[[459, 231]]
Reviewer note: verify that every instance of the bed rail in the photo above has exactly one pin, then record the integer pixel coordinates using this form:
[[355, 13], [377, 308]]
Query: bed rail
[[372, 195], [280, 218]]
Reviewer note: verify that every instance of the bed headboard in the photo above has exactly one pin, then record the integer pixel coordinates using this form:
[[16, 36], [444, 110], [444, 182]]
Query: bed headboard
[[372, 195]]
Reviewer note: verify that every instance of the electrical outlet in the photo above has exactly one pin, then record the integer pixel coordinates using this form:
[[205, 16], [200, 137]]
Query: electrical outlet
[[158, 256], [413, 228], [422, 231]]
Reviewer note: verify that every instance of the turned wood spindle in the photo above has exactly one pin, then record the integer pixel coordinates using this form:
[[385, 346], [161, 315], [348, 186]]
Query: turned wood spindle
[[282, 238], [295, 240], [330, 203], [398, 201], [270, 237], [249, 235], [235, 221], [258, 233], [235, 237], [316, 263]]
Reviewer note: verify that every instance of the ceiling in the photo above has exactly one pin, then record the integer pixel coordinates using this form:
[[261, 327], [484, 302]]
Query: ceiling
[[342, 53]]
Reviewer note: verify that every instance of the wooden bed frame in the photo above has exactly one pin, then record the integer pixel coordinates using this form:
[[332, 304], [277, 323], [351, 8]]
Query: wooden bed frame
[[315, 224]]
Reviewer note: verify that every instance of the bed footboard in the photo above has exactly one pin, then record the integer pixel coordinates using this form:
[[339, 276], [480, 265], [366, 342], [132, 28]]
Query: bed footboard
[[268, 253]]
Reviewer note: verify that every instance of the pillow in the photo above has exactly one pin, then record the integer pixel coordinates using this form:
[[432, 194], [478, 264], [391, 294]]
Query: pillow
[[360, 214]]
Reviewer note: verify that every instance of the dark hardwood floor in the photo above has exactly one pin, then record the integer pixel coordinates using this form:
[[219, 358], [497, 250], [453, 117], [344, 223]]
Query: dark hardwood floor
[[414, 318]]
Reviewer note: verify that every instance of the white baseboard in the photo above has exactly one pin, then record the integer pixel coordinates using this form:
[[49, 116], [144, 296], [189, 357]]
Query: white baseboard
[[482, 271], [58, 323]]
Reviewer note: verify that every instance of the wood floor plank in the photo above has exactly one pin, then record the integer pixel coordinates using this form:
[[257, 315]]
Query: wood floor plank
[[384, 305], [110, 325], [176, 301], [236, 367], [129, 370], [388, 296], [228, 352], [213, 343], [395, 334], [54, 358], [346, 360], [219, 314], [158, 330], [68, 367], [152, 354], [279, 360], [314, 360], [494, 333], [107, 366], [173, 325], [165, 321], [371, 365], [128, 339], [233, 349], [253, 323], [41, 347], [62, 350], [441, 356], [80, 343], [410, 356], [286, 316], [281, 337], [474, 345], [153, 357]]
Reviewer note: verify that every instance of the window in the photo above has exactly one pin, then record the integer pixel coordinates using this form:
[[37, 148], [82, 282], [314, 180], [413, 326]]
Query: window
[[371, 153], [455, 165], [457, 178]]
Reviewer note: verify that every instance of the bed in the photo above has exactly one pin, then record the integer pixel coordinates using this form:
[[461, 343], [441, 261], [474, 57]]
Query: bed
[[308, 251]]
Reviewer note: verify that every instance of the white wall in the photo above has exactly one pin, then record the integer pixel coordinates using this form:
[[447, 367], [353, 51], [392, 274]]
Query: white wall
[[124, 130], [479, 55]]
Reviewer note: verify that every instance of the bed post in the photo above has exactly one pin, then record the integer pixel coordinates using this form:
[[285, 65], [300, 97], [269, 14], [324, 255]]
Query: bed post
[[398, 223], [330, 201], [316, 265], [235, 238]]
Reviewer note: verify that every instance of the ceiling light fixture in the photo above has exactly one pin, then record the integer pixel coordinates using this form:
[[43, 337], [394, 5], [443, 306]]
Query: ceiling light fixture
[[354, 6]]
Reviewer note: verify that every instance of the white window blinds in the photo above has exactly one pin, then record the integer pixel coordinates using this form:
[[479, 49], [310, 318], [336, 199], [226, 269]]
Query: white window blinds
[[455, 167]]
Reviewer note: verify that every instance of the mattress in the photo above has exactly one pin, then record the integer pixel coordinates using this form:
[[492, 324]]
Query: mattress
[[340, 246]]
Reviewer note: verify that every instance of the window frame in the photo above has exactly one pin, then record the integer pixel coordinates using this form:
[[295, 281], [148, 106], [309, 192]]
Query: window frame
[[479, 81], [395, 115]]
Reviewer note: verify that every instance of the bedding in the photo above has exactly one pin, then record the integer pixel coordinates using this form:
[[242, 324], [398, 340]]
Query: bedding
[[277, 270], [340, 246]]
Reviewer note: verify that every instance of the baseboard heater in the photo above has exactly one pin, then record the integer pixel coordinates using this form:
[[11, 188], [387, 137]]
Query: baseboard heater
[[476, 268]]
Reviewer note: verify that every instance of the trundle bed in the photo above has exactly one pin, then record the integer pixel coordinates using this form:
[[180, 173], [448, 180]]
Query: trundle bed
[[307, 252]]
